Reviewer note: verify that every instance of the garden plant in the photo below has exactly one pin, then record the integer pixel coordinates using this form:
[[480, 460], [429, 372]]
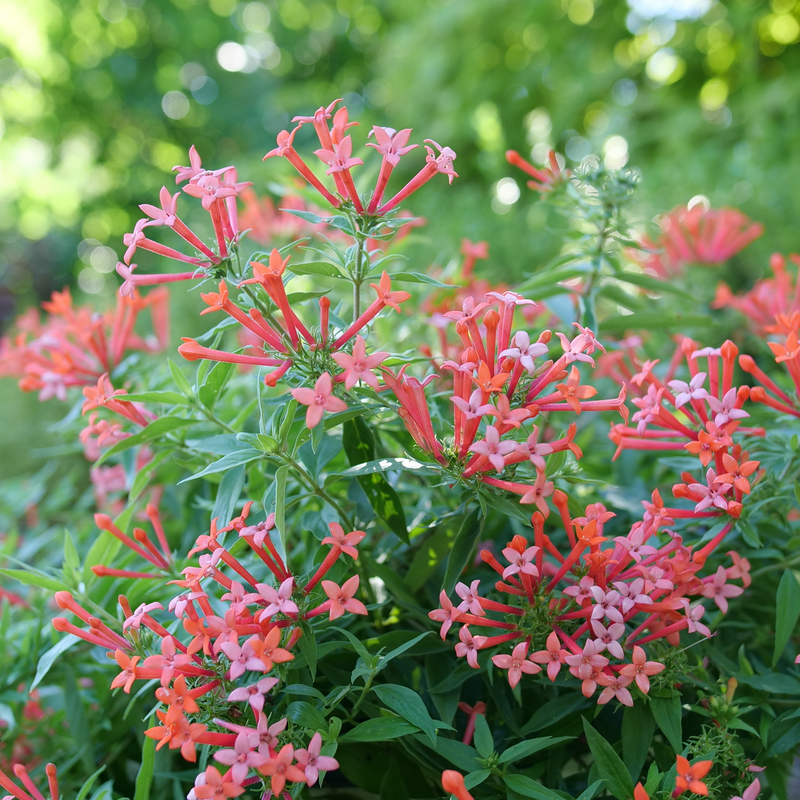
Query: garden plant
[[372, 526]]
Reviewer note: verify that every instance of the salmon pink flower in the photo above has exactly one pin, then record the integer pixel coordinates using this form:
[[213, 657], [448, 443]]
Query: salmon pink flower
[[615, 686], [319, 399], [516, 664], [446, 614], [493, 449], [521, 562], [280, 768], [214, 787], [342, 597], [242, 758], [751, 792], [311, 762], [168, 661], [469, 646], [641, 668], [553, 656], [344, 542], [470, 599], [583, 664], [264, 652], [278, 602], [606, 638], [719, 591]]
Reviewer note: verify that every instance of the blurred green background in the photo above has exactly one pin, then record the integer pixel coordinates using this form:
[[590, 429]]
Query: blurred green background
[[100, 98]]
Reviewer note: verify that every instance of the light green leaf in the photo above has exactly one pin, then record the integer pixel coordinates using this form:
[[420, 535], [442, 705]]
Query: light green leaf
[[787, 612], [49, 658], [237, 459]]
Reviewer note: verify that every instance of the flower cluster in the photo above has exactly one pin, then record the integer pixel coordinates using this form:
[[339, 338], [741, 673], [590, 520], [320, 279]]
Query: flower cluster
[[503, 379], [589, 604], [697, 235], [75, 346], [231, 659]]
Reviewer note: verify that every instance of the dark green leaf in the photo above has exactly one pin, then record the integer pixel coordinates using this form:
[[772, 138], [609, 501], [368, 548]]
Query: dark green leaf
[[49, 658], [408, 704], [525, 749], [528, 787], [787, 612], [774, 683], [308, 647], [387, 464], [380, 729], [667, 714], [484, 742], [226, 463], [609, 764], [590, 791], [144, 778], [637, 733], [463, 545], [359, 446], [308, 716]]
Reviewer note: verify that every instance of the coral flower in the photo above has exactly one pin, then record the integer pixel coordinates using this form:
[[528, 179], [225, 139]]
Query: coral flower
[[689, 776]]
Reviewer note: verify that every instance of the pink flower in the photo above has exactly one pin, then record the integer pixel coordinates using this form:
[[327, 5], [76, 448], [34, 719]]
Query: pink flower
[[339, 159], [253, 694], [582, 665], [391, 144], [238, 657], [541, 489], [345, 542], [582, 591], [359, 366], [135, 620], [470, 598], [693, 616], [553, 656], [606, 604], [259, 532], [725, 410], [242, 757], [311, 762], [751, 792], [521, 562], [195, 168], [720, 591], [168, 661], [492, 448], [640, 668], [689, 391], [444, 161], [632, 594], [469, 646], [525, 352], [534, 451], [277, 601], [214, 787], [634, 544], [516, 664], [504, 413], [615, 686], [318, 399], [446, 614], [472, 409], [606, 638], [342, 597]]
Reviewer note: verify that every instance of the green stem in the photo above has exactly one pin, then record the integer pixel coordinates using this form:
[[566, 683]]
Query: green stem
[[316, 489]]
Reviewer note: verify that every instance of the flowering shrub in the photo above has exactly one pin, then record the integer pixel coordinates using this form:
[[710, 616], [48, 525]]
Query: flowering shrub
[[281, 527]]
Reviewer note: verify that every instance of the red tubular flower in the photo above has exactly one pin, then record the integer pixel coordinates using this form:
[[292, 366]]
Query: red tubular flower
[[453, 782], [545, 179]]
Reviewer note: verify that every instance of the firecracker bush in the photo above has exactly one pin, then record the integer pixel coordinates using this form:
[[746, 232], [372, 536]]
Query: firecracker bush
[[395, 530]]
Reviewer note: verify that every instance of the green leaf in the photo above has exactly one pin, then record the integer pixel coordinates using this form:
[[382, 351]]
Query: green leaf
[[281, 475], [358, 646], [527, 787], [87, 786], [484, 741], [144, 778], [49, 658], [181, 381], [408, 704], [387, 464], [609, 764], [463, 756], [667, 714], [214, 384], [34, 579], [554, 711], [308, 647], [420, 277], [653, 284], [308, 216], [773, 683], [171, 398], [359, 446], [590, 791], [322, 268], [308, 716], [383, 661], [230, 488], [637, 733], [525, 749], [380, 729], [463, 545], [237, 459], [155, 430], [787, 612]]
